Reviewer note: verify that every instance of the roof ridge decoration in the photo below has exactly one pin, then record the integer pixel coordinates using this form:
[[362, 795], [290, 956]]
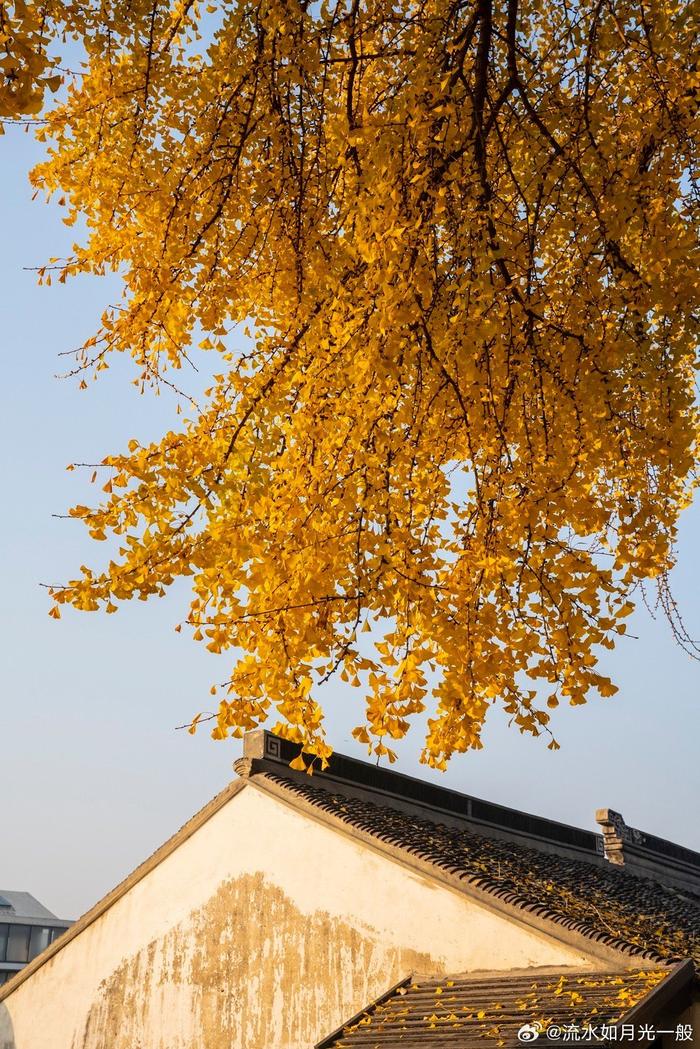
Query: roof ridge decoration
[[648, 854]]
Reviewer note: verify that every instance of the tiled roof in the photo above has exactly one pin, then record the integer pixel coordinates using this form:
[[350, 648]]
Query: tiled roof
[[633, 914], [466, 1011]]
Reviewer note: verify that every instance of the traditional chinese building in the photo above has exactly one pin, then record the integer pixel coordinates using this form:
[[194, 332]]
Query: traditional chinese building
[[360, 907]]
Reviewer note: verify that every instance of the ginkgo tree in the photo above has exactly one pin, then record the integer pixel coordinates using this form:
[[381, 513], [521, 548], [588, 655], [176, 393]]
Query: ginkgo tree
[[444, 255]]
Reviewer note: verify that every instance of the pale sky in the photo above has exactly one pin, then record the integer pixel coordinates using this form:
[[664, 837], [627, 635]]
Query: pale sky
[[94, 776]]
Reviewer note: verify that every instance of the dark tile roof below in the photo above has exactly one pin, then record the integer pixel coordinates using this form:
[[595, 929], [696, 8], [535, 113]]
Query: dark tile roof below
[[471, 1011], [636, 915]]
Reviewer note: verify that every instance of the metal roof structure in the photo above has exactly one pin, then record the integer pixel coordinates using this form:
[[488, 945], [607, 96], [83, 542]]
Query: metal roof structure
[[21, 908]]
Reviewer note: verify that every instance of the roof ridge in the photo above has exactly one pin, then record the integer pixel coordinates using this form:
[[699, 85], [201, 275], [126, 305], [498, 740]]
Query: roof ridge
[[265, 751]]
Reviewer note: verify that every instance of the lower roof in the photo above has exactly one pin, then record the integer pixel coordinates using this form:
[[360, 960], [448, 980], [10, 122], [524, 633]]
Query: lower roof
[[467, 1011]]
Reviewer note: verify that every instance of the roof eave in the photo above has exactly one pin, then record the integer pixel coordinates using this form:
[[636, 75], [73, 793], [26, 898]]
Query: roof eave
[[679, 981]]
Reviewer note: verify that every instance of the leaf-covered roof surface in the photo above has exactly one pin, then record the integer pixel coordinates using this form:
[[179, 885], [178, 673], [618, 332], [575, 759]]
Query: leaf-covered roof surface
[[637, 915], [462, 1012]]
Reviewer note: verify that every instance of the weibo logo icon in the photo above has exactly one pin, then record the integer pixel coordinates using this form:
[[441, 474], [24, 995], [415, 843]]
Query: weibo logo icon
[[529, 1032]]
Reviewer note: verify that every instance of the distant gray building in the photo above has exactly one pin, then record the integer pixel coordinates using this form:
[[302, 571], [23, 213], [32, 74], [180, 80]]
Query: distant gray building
[[26, 929]]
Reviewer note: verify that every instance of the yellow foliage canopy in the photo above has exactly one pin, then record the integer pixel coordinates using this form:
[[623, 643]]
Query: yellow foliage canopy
[[463, 236]]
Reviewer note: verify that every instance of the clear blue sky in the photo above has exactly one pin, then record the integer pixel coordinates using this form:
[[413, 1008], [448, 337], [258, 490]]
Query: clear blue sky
[[94, 777]]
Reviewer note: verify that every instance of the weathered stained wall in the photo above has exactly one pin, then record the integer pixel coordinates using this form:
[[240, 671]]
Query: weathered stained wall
[[264, 930]]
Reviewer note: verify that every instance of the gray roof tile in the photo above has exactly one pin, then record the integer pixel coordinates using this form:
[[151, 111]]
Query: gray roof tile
[[464, 1012]]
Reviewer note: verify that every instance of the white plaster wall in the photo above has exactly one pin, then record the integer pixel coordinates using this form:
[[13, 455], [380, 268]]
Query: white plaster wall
[[328, 877]]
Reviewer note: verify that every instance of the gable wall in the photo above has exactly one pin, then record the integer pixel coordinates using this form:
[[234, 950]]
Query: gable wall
[[264, 930]]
